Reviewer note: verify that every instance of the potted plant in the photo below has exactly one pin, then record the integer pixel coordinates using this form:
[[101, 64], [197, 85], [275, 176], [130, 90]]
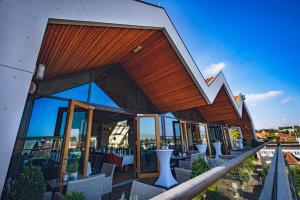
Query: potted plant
[[74, 196], [199, 166], [29, 185], [65, 177], [72, 169]]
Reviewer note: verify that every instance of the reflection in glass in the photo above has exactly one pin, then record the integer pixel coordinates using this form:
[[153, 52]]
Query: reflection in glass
[[77, 140], [203, 138], [44, 138], [98, 96], [77, 93], [148, 158]]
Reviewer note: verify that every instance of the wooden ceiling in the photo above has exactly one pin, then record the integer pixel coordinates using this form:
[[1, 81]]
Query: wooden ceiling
[[220, 110], [156, 68]]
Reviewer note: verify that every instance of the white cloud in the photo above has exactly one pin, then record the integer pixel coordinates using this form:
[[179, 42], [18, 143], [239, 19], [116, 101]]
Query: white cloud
[[213, 68], [252, 105], [286, 100], [257, 97]]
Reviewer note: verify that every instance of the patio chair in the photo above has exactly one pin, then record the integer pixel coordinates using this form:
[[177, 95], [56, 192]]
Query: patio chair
[[98, 160], [92, 187], [108, 170], [182, 175], [144, 191]]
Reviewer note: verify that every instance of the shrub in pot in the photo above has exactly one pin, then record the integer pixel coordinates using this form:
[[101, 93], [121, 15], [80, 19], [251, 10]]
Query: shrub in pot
[[74, 196], [30, 185], [199, 166], [72, 169]]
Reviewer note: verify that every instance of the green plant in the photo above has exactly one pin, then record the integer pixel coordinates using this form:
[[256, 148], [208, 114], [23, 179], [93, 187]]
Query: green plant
[[30, 185], [199, 166], [295, 171], [72, 166], [235, 134], [74, 196], [242, 172]]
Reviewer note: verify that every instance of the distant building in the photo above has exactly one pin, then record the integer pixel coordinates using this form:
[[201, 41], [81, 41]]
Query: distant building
[[262, 135], [290, 129]]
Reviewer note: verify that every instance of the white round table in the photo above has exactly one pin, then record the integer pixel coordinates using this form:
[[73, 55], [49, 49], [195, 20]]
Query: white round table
[[166, 178], [217, 146]]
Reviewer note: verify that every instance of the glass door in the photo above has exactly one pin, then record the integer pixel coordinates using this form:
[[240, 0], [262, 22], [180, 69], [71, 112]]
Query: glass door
[[76, 142], [184, 138], [204, 138], [147, 141]]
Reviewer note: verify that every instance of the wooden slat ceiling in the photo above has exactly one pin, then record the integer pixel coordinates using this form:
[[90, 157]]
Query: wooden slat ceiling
[[156, 68], [220, 110]]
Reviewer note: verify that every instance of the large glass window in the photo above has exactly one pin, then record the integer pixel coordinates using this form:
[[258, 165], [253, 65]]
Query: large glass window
[[45, 134], [77, 93], [148, 159], [98, 96], [172, 131]]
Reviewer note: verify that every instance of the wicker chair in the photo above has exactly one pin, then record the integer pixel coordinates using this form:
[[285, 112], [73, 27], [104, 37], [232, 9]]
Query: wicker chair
[[92, 187], [108, 170], [182, 175], [143, 191]]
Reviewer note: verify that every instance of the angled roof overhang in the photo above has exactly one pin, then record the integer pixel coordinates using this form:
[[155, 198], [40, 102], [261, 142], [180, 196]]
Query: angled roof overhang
[[24, 42], [156, 68]]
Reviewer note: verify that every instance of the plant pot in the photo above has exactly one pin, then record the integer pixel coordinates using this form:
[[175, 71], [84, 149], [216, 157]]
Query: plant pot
[[74, 175], [65, 177], [217, 146]]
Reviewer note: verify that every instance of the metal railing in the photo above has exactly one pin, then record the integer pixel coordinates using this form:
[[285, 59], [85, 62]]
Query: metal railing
[[277, 184], [193, 187]]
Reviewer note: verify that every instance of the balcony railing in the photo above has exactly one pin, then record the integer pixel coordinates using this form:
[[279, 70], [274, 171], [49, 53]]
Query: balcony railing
[[278, 184], [193, 187]]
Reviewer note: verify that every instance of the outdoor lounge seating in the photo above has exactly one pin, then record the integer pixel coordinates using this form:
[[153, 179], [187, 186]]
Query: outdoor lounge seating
[[108, 170], [92, 187], [143, 191]]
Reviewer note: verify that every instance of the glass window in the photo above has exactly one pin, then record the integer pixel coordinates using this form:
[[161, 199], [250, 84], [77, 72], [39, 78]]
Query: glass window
[[203, 134], [45, 134], [98, 96], [148, 159], [77, 93]]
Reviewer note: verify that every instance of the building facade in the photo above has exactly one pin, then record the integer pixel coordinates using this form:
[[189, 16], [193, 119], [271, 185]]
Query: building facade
[[117, 77]]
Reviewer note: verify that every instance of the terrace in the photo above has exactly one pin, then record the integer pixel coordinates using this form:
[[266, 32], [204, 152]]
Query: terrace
[[112, 102]]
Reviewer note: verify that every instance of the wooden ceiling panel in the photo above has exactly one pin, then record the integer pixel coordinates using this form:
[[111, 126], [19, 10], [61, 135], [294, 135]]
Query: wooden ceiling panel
[[220, 110], [156, 68]]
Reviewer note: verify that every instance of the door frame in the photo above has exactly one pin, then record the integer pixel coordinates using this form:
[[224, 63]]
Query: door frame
[[207, 136], [184, 135], [66, 139], [137, 163]]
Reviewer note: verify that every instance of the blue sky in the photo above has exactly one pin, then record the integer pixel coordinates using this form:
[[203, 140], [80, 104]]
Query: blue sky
[[255, 43]]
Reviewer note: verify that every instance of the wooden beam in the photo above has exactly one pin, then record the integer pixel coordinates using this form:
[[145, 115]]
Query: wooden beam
[[66, 140], [87, 142]]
